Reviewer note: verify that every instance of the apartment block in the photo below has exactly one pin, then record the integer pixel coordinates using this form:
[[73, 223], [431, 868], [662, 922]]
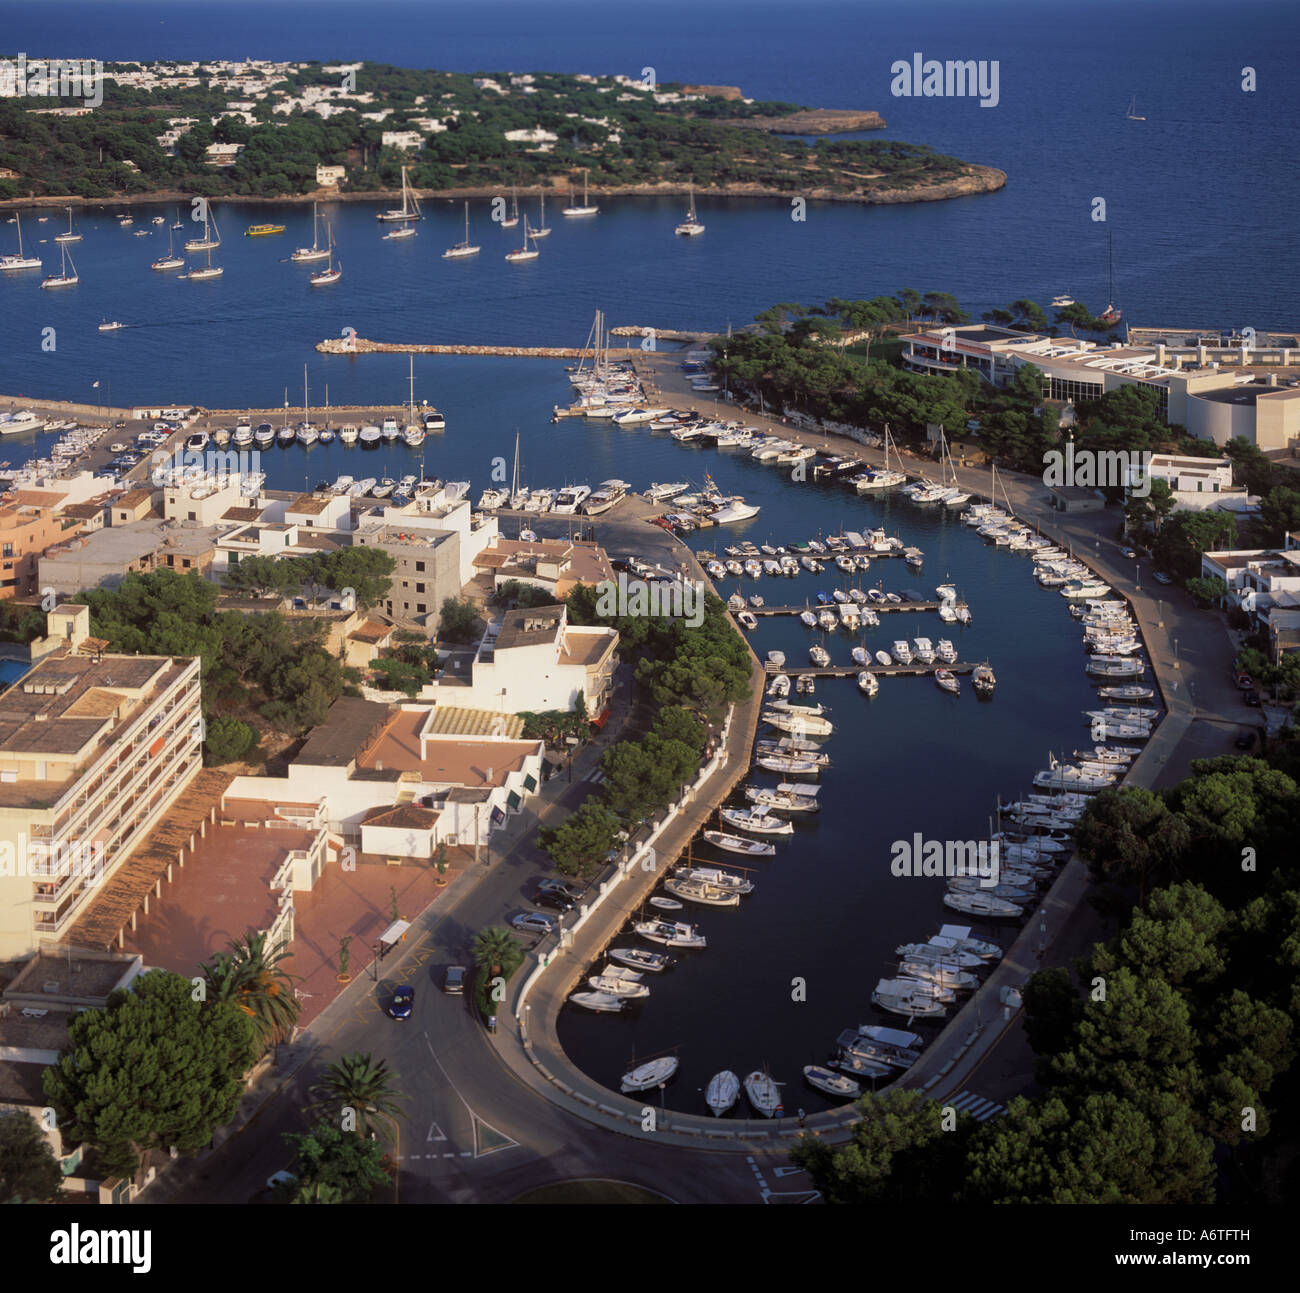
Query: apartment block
[[94, 748]]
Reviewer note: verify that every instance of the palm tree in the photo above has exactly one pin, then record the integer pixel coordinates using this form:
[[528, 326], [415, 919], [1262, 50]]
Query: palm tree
[[318, 1192], [250, 976], [358, 1083], [493, 948]]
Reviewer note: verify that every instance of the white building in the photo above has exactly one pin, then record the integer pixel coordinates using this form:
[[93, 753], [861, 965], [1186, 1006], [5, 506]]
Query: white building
[[404, 139], [94, 749], [1197, 484], [329, 177]]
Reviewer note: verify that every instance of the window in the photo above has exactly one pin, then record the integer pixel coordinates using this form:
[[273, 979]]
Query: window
[[419, 588], [9, 550], [419, 565], [193, 516], [420, 608]]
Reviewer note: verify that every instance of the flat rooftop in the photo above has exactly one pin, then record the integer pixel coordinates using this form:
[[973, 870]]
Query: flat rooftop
[[349, 726], [529, 627], [456, 760]]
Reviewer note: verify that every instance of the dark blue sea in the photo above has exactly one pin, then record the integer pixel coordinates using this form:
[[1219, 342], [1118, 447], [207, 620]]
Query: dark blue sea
[[1200, 198]]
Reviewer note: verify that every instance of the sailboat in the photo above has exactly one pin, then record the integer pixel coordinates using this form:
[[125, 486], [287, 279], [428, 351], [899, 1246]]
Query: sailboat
[[19, 261], [410, 207], [332, 272], [542, 231], [1111, 314], [1132, 113], [66, 277], [955, 495], [414, 433], [513, 219], [171, 260], [179, 226], [884, 478], [586, 209], [315, 251], [525, 252], [462, 249], [691, 225], [210, 271], [211, 235], [71, 235]]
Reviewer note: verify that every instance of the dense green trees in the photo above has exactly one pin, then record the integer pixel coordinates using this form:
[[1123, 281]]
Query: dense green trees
[[29, 1172], [157, 1067], [262, 664], [622, 142], [579, 845], [334, 1166], [458, 621], [1161, 1053], [364, 570]]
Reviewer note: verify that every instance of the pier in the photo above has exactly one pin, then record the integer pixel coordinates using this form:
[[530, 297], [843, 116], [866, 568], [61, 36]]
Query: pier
[[879, 607], [852, 671], [360, 346]]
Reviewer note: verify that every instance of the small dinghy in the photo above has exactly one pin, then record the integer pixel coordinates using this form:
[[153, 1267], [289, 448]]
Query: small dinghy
[[652, 1073], [665, 904], [836, 1084], [722, 1093], [883, 658], [764, 1094]]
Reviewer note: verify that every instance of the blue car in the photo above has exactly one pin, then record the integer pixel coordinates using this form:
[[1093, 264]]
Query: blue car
[[402, 1003]]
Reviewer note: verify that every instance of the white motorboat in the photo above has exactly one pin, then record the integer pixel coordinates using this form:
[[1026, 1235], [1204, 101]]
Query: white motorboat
[[640, 958], [1068, 776], [736, 844], [786, 764], [665, 904], [722, 1093], [704, 894], [981, 904], [798, 724], [867, 683], [901, 652], [758, 821], [716, 878], [923, 650], [843, 1088], [746, 620], [947, 681], [935, 951], [911, 1004], [670, 933], [619, 982], [602, 1002], [782, 801], [945, 651], [764, 1094], [653, 1073]]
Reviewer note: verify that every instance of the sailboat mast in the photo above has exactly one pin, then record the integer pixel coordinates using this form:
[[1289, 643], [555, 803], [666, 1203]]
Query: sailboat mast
[[411, 374], [304, 394]]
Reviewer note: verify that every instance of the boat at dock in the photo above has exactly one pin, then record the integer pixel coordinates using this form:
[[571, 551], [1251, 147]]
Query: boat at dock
[[652, 1073], [981, 904], [602, 1002], [722, 1093], [737, 844], [783, 801], [764, 1094], [716, 877], [618, 981], [756, 820], [670, 933], [640, 958], [834, 1084], [698, 891]]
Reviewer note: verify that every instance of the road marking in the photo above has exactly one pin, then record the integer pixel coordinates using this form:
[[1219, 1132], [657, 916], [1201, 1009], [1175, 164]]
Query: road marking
[[487, 1138], [435, 1133], [786, 1171], [977, 1106]]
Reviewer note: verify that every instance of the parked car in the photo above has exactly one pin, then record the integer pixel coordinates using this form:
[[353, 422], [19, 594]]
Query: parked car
[[1128, 552], [1246, 741], [552, 898], [1245, 682], [1252, 698], [559, 886], [403, 1002], [453, 980], [1161, 578], [534, 922]]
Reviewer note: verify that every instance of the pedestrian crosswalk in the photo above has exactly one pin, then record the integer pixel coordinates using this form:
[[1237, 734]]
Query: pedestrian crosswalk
[[978, 1108], [595, 776]]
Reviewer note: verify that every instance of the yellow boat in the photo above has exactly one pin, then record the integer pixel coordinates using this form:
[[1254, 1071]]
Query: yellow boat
[[261, 230]]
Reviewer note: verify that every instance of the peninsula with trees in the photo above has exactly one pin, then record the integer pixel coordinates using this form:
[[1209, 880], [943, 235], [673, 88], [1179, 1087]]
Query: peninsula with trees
[[284, 131]]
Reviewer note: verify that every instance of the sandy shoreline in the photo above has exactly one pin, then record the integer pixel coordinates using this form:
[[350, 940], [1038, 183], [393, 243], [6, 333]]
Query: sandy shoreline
[[978, 179]]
